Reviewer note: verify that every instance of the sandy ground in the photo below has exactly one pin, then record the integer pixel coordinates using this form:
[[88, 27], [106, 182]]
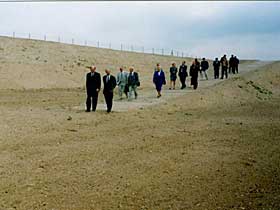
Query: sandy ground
[[213, 148]]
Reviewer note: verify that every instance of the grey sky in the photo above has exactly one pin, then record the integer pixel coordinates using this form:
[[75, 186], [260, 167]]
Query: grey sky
[[210, 29]]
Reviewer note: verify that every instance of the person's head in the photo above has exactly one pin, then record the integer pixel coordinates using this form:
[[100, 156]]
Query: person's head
[[195, 60], [232, 56], [203, 59], [158, 66], [184, 62], [121, 69], [225, 56], [131, 69], [107, 71], [173, 64], [216, 59], [235, 57], [92, 69]]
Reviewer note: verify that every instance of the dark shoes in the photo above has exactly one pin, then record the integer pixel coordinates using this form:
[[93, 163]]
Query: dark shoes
[[89, 110]]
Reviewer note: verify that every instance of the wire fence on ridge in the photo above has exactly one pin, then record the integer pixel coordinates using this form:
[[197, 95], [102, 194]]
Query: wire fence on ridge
[[101, 44]]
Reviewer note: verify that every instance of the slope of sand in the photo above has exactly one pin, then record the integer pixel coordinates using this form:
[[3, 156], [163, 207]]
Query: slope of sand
[[30, 64], [214, 148]]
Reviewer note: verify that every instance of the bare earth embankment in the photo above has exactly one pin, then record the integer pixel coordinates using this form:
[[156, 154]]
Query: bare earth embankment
[[214, 148]]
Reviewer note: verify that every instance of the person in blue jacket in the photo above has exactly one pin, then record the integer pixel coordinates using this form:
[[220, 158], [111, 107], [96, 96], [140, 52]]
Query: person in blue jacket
[[159, 79]]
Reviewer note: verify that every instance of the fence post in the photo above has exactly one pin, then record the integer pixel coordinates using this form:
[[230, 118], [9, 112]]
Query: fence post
[[110, 45], [121, 47], [29, 36], [172, 53], [72, 41], [162, 51], [153, 51], [14, 34], [131, 48], [85, 42], [58, 39], [182, 54], [177, 54], [98, 44], [45, 37]]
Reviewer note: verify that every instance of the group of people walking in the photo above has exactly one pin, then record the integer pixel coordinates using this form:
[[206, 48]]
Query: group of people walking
[[230, 66], [128, 82], [195, 68]]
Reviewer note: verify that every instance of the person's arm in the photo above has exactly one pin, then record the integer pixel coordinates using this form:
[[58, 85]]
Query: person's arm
[[137, 77], [126, 78], [114, 83], [163, 76], [87, 81], [191, 71], [98, 82], [154, 77], [118, 79]]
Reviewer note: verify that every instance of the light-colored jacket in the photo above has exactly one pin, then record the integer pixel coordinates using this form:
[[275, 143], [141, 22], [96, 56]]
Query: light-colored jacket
[[122, 78]]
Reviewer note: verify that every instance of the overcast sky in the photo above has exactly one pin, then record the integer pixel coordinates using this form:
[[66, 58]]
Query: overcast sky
[[203, 29]]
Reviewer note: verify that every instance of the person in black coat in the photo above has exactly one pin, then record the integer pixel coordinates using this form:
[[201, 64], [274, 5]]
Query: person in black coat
[[110, 83], [204, 66], [216, 66], [173, 76], [194, 69], [236, 63], [231, 65], [93, 84], [183, 74], [159, 79]]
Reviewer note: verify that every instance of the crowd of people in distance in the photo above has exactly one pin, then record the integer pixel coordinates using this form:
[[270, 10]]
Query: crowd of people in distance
[[128, 82], [231, 65]]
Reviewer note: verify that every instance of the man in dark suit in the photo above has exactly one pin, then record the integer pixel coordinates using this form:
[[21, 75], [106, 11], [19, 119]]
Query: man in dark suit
[[133, 82], [93, 84], [183, 74], [216, 65], [110, 83]]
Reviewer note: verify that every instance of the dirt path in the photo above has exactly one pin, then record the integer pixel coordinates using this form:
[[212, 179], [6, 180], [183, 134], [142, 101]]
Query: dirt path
[[147, 95]]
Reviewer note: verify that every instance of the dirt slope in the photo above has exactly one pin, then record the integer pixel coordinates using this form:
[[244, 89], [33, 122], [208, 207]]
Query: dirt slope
[[27, 64]]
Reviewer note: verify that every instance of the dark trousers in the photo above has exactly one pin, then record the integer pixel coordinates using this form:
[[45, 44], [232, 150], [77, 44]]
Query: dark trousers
[[183, 81], [224, 72], [92, 98], [109, 100], [216, 73], [233, 69], [230, 69], [194, 82]]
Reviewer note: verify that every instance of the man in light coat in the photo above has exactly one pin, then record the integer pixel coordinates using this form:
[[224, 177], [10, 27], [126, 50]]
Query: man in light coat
[[121, 81]]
